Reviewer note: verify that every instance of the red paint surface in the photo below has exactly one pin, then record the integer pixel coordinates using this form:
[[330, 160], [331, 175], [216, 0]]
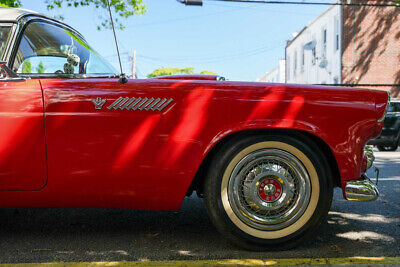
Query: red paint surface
[[22, 140], [147, 159]]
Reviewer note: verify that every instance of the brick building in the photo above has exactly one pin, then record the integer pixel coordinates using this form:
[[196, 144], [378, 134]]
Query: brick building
[[371, 45]]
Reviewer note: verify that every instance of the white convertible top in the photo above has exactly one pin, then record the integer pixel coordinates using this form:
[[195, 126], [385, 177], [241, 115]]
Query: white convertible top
[[13, 14]]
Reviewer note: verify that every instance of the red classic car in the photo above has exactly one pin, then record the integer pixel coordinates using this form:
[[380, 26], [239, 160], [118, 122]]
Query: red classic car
[[265, 157]]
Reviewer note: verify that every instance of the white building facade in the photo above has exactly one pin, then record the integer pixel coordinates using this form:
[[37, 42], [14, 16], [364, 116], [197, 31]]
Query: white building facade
[[276, 75], [314, 55]]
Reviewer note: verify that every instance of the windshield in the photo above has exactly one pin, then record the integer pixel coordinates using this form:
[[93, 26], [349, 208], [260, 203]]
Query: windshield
[[4, 34], [47, 49]]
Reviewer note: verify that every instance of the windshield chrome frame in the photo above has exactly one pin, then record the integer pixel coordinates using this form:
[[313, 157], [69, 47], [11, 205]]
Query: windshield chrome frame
[[10, 38]]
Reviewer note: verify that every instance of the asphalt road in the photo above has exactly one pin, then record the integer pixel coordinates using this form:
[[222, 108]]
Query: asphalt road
[[52, 235]]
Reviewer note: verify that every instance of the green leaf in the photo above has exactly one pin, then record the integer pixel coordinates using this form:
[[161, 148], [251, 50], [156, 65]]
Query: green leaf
[[10, 3], [176, 71], [121, 8]]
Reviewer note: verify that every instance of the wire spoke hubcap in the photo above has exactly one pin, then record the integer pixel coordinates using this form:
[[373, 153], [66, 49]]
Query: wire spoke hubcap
[[269, 189]]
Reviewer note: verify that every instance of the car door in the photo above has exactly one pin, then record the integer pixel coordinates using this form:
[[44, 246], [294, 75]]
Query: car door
[[22, 138], [104, 140]]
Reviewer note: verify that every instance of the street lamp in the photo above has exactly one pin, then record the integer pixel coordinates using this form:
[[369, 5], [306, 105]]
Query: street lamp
[[191, 2]]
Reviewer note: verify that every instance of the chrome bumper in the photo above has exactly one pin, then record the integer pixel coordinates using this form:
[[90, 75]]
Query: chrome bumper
[[361, 190], [369, 152], [364, 189]]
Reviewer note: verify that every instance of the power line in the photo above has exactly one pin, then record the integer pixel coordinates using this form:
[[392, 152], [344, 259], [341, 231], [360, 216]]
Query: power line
[[269, 10], [184, 18], [208, 56], [311, 3], [211, 14], [212, 59]]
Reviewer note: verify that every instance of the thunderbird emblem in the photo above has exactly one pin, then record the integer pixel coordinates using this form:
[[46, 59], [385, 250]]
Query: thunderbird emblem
[[99, 102]]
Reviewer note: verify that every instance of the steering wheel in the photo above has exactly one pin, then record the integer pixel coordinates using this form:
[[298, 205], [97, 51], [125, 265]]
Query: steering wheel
[[59, 72]]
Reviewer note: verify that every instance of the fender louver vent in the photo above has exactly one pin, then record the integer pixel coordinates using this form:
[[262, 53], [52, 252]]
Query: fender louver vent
[[146, 104]]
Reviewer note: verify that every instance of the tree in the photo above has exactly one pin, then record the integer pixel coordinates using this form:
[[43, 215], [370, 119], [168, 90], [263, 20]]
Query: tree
[[27, 66], [175, 71], [10, 3], [41, 68], [123, 9]]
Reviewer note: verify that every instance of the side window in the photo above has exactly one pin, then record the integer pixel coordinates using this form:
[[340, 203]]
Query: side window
[[41, 50], [49, 49]]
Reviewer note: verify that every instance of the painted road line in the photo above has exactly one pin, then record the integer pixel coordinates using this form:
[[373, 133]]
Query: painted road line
[[395, 178], [232, 262]]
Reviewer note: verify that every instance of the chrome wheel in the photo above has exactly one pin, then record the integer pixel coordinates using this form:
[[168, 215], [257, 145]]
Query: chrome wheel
[[269, 189]]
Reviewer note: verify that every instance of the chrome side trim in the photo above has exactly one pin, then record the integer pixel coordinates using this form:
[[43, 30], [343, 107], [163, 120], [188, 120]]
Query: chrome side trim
[[159, 104], [160, 108], [140, 104], [134, 103], [115, 104], [125, 106], [122, 103], [147, 104], [361, 190], [153, 104]]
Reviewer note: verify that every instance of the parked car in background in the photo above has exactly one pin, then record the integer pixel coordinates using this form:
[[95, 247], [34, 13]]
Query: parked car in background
[[265, 157], [390, 137]]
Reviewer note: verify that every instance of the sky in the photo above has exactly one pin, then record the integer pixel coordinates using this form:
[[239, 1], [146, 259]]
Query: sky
[[239, 41]]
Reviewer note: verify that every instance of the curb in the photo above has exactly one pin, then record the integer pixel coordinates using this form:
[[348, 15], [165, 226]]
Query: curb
[[226, 262]]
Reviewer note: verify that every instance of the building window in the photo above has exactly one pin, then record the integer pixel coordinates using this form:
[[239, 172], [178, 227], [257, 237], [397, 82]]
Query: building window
[[288, 68], [324, 42], [314, 50], [337, 42], [302, 59], [295, 63], [314, 55], [336, 34]]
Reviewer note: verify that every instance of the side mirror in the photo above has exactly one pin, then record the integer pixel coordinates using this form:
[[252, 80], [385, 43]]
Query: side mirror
[[6, 73]]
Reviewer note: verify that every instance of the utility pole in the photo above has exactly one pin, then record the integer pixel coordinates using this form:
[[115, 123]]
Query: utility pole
[[134, 75]]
